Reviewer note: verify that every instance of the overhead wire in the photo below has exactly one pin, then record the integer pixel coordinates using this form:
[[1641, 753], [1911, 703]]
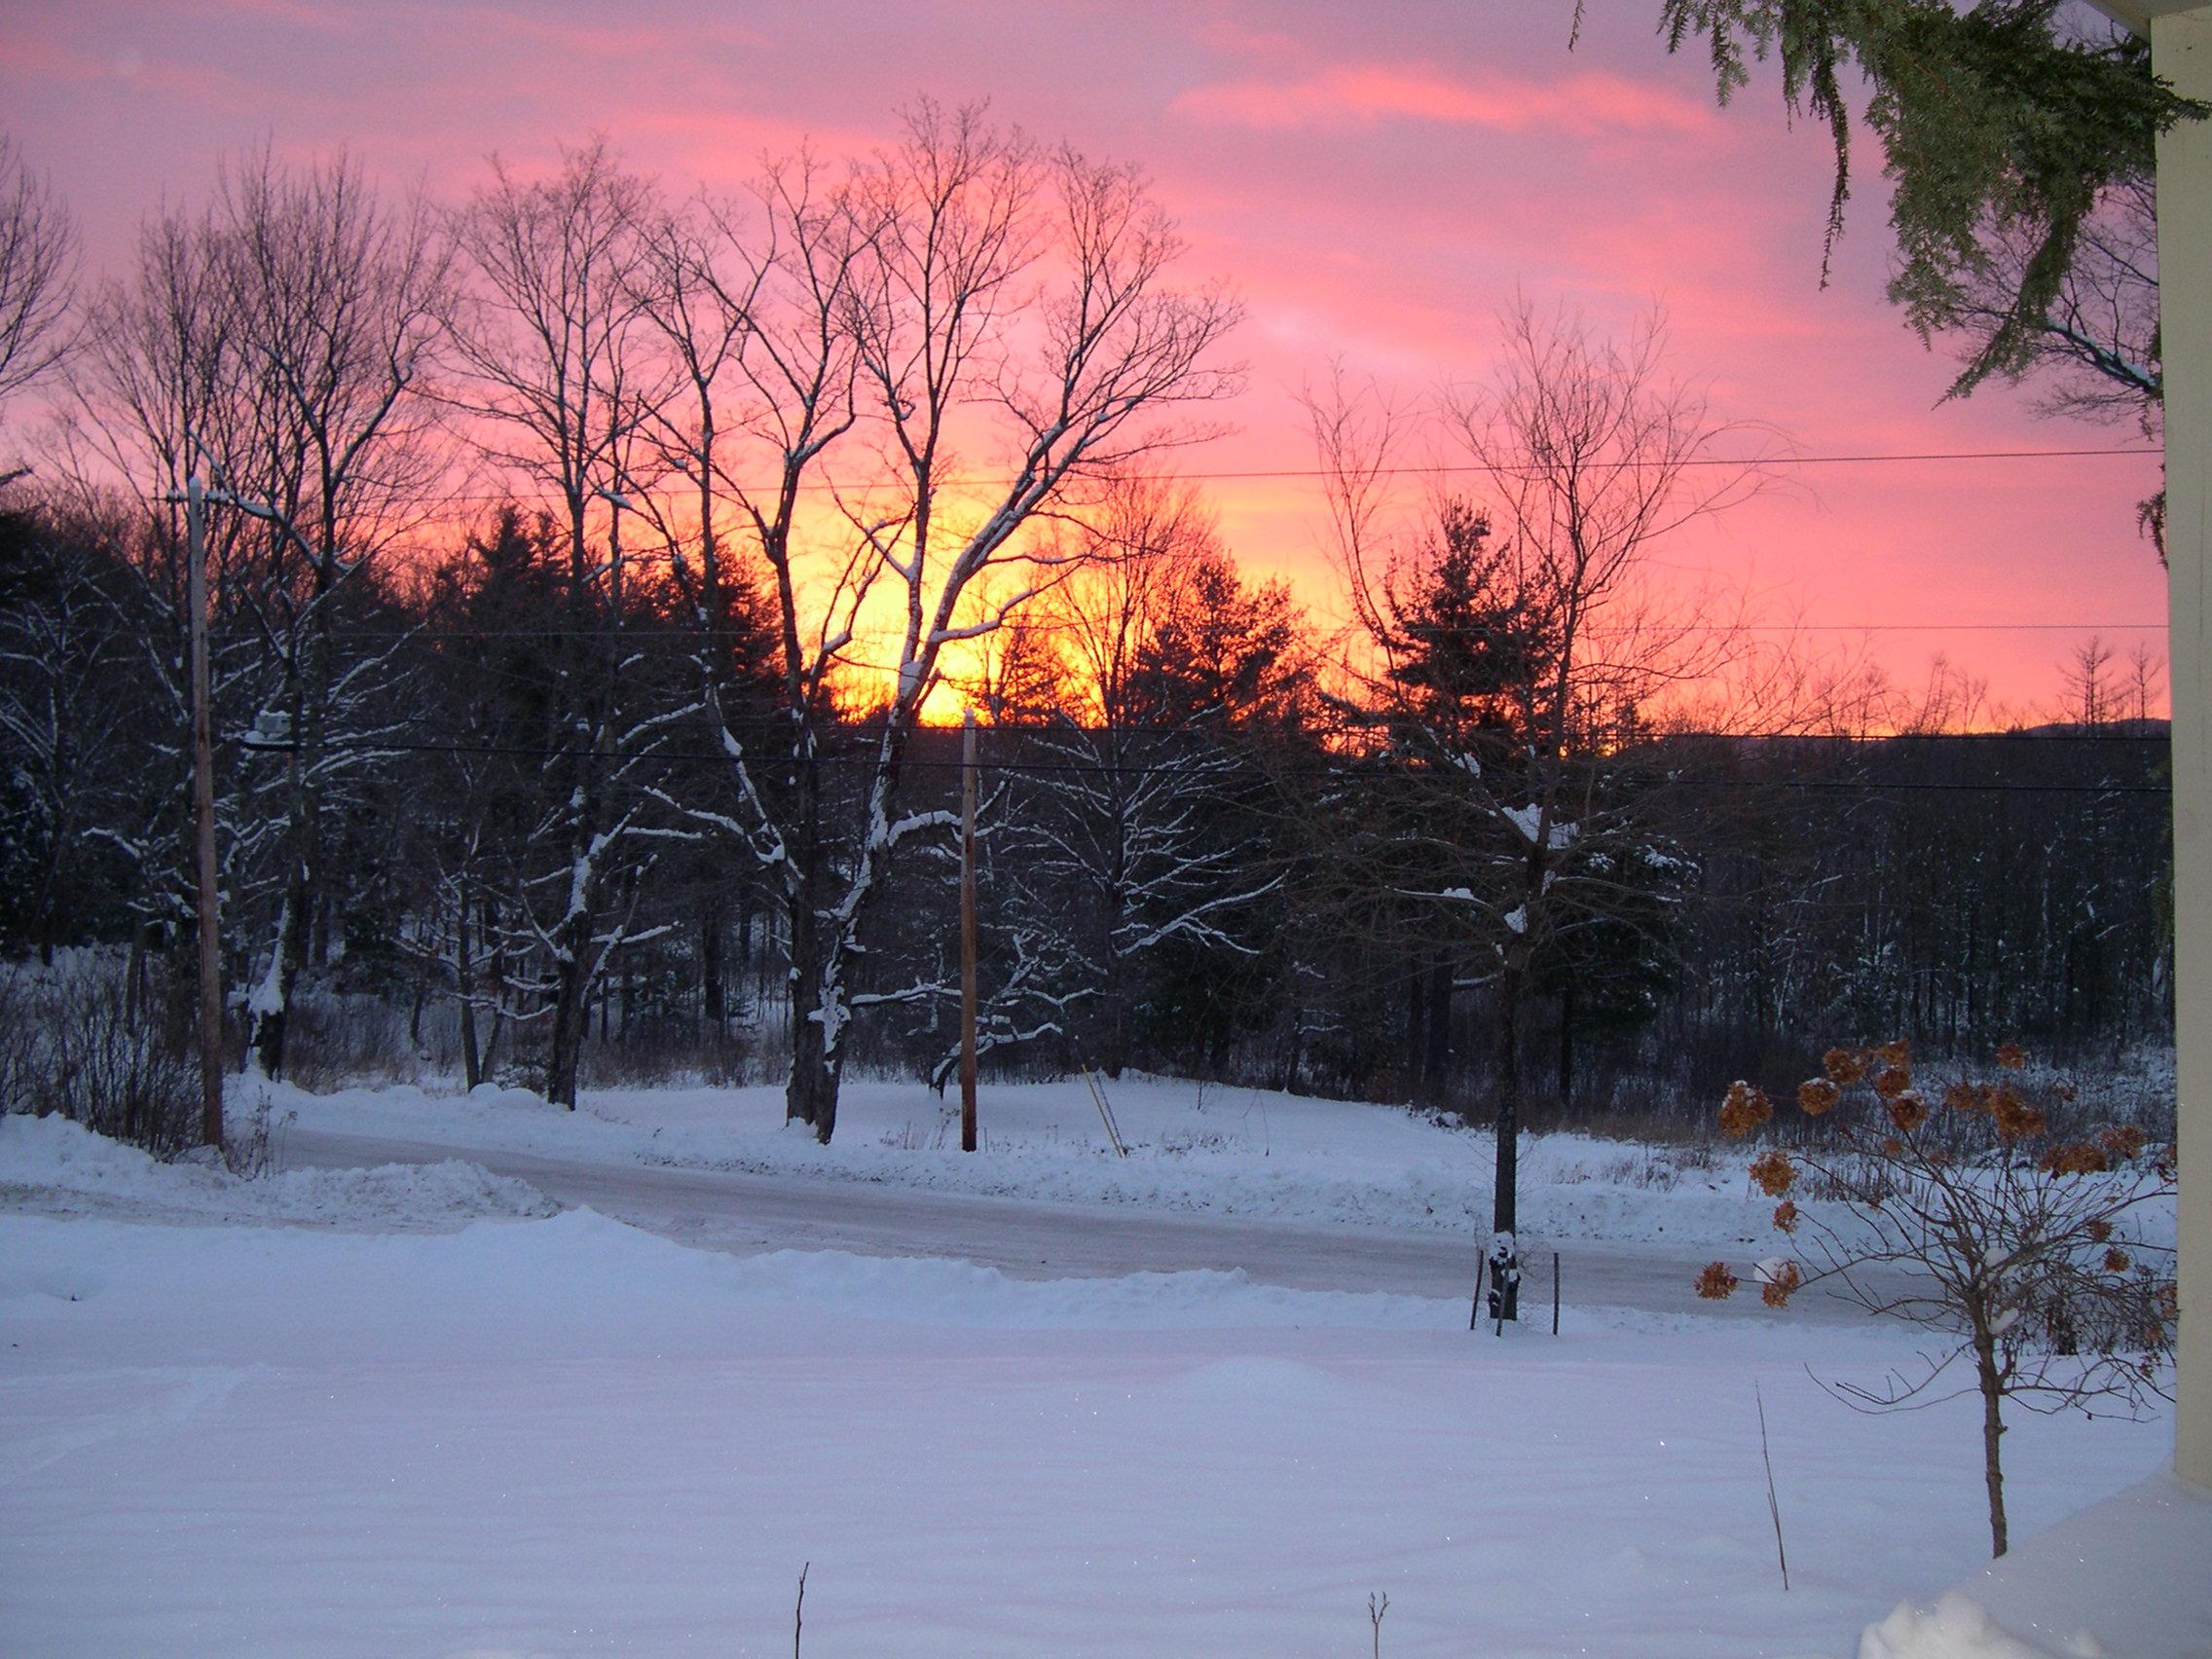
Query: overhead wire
[[1341, 774], [687, 490]]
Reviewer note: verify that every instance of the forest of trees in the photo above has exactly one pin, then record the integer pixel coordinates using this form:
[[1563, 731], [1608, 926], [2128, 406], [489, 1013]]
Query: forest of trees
[[590, 570]]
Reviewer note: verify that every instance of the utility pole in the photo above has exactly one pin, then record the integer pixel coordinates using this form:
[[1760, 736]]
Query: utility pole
[[204, 820], [968, 934]]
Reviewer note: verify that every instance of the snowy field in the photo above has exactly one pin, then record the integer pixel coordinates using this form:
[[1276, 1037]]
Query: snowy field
[[396, 1412]]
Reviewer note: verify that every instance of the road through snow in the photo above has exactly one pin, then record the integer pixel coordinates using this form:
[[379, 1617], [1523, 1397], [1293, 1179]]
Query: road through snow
[[744, 1213]]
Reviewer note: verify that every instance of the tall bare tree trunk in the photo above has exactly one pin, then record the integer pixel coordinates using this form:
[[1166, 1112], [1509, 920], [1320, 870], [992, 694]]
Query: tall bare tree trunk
[[1436, 1026], [1117, 1055], [1567, 1047], [713, 999], [571, 1021], [810, 1093], [464, 981], [1417, 1030]]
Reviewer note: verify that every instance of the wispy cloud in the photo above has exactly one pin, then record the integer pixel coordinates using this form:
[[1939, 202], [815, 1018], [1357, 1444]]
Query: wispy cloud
[[1584, 106], [322, 17], [204, 87], [632, 38]]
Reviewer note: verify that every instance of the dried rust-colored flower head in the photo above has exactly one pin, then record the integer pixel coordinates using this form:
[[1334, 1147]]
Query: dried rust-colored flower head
[[2124, 1141], [2076, 1158], [2118, 1261], [1717, 1283], [1744, 1110], [1781, 1283], [1908, 1111], [1786, 1215], [1818, 1095], [1895, 1052], [1844, 1065], [1773, 1172], [1966, 1097], [1893, 1081], [2015, 1118], [2099, 1229], [2011, 1057]]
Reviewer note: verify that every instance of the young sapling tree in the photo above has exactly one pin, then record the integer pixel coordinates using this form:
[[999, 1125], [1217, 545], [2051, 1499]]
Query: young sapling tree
[[2017, 1248]]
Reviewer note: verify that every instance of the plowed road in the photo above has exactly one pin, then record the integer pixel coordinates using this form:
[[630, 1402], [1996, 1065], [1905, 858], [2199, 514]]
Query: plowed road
[[746, 1214]]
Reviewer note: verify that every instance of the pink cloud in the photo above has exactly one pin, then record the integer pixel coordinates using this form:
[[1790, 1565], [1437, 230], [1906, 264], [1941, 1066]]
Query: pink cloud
[[1365, 94]]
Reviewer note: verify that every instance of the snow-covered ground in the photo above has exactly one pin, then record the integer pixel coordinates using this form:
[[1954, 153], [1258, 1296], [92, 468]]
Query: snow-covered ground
[[1243, 1153], [564, 1436], [400, 1431]]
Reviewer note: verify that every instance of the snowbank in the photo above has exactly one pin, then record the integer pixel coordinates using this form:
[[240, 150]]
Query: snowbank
[[55, 1165], [1956, 1628], [2123, 1579]]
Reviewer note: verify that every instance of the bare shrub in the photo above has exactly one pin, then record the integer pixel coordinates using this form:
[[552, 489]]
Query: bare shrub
[[253, 1145], [665, 1057], [79, 1047], [334, 1038]]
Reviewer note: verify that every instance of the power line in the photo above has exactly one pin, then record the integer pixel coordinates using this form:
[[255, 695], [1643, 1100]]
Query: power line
[[1744, 462], [686, 490], [657, 631], [1051, 770], [785, 723]]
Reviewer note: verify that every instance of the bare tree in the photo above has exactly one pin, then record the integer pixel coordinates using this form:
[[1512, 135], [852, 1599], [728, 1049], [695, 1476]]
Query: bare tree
[[562, 370], [277, 344], [339, 300], [156, 395], [2093, 693], [754, 299], [960, 288], [2145, 673], [2010, 1244], [38, 272], [1076, 372]]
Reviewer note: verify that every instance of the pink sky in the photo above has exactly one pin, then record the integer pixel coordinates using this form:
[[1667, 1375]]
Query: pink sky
[[1376, 181]]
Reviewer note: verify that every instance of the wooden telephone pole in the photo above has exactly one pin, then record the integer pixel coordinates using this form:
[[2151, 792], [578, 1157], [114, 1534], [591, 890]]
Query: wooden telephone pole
[[204, 820], [968, 934]]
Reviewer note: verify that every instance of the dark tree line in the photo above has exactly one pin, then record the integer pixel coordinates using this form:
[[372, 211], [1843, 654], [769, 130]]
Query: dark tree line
[[1201, 860], [640, 768]]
